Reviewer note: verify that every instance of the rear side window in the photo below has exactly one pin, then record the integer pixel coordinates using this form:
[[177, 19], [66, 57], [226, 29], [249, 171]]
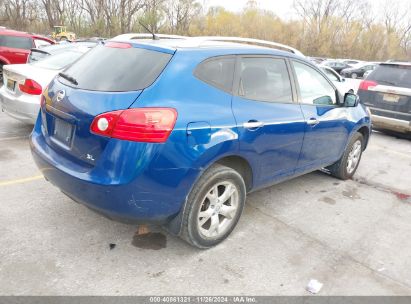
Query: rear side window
[[265, 79], [218, 72], [16, 42], [117, 69], [392, 75]]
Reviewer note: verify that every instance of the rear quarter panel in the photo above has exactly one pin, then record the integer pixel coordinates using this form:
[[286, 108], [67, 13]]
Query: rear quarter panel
[[205, 129]]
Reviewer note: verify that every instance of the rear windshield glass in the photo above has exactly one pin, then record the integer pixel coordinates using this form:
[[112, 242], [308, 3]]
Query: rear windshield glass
[[59, 61], [392, 75], [117, 69], [16, 42], [36, 56]]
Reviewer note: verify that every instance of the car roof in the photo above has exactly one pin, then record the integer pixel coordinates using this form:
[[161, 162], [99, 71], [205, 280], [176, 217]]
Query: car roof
[[172, 43], [15, 33], [8, 32], [403, 63]]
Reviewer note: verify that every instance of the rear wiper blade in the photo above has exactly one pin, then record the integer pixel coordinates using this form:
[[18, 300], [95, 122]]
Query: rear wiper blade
[[387, 82], [69, 78]]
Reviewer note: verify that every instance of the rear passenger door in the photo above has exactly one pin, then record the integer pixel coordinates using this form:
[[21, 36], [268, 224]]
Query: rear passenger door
[[270, 124], [326, 132]]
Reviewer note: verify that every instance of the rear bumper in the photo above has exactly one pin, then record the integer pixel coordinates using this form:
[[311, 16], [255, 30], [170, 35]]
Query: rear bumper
[[392, 124], [23, 108], [152, 196]]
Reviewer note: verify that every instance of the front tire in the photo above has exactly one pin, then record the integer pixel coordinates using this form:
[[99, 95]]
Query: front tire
[[213, 207], [346, 167]]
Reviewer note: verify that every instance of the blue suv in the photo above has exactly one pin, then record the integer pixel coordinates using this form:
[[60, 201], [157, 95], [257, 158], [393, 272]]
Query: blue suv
[[177, 131]]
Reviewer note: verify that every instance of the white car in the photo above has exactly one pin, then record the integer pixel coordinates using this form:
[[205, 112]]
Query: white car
[[342, 85], [23, 84]]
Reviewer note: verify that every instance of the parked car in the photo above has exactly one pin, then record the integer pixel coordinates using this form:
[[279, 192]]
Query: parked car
[[337, 66], [44, 52], [358, 70], [24, 83], [15, 47], [180, 138], [340, 83], [316, 60], [387, 93], [351, 61]]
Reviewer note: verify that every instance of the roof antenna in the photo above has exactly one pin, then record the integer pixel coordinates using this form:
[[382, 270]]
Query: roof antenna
[[155, 37]]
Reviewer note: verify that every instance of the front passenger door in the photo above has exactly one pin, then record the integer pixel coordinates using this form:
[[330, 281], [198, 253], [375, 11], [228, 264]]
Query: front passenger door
[[325, 130]]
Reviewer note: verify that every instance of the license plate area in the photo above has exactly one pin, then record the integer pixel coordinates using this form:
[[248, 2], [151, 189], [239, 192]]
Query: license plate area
[[63, 132], [391, 98], [11, 84]]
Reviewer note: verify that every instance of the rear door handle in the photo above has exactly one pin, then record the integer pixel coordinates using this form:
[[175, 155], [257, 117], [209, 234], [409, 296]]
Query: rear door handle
[[313, 121], [253, 124]]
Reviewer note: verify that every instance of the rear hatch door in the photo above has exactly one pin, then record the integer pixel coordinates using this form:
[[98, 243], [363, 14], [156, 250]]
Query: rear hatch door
[[388, 91], [108, 78]]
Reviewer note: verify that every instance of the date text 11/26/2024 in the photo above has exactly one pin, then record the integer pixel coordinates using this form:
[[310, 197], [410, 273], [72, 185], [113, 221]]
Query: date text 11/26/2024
[[204, 299]]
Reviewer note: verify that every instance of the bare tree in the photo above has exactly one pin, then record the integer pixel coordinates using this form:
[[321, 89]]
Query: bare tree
[[179, 14]]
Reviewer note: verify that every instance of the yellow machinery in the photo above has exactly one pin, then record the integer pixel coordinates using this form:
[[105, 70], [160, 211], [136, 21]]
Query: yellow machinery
[[60, 33]]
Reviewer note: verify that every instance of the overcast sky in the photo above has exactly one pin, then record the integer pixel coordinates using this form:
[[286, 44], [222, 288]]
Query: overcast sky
[[284, 8]]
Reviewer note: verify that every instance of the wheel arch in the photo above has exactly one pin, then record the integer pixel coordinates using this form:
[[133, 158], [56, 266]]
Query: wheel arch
[[233, 161], [239, 164], [365, 132]]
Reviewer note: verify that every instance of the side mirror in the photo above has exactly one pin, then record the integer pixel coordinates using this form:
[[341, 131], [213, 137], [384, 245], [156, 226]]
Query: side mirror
[[342, 79], [351, 100]]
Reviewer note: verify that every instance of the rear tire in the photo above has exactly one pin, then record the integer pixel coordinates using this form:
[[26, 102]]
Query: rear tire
[[213, 207], [346, 167]]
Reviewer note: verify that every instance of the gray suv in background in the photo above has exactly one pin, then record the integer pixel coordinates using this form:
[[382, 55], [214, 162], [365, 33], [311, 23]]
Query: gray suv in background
[[387, 93]]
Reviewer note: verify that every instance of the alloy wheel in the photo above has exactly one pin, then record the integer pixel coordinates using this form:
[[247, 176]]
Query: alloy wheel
[[218, 210], [354, 156]]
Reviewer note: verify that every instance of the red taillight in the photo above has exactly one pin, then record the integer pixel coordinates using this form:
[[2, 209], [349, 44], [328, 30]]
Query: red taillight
[[31, 87], [144, 124], [366, 84], [118, 45]]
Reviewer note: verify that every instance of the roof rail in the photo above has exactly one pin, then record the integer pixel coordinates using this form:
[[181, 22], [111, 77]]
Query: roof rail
[[250, 41], [146, 36]]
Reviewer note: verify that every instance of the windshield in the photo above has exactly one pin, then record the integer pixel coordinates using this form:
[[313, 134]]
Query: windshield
[[395, 75], [58, 61]]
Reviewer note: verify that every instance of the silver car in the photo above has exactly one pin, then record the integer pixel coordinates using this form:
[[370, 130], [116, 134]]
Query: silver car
[[23, 84], [340, 82]]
